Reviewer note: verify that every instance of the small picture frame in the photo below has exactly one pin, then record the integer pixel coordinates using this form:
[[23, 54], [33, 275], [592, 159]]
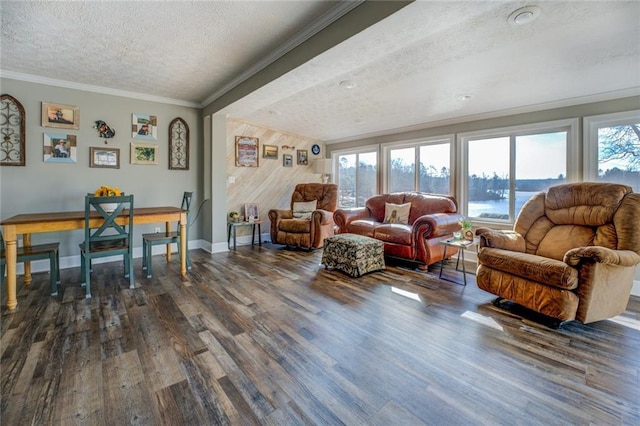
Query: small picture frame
[[59, 148], [270, 152], [60, 116], [251, 212], [303, 157], [144, 126], [287, 160], [144, 153], [247, 151], [104, 158]]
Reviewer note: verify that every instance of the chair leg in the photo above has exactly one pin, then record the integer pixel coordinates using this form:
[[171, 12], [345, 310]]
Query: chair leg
[[53, 273], [144, 254], [57, 266], [131, 276], [149, 259], [87, 274]]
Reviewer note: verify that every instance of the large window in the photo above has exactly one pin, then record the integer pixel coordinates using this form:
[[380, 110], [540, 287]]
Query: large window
[[612, 151], [357, 177], [423, 166], [506, 167]]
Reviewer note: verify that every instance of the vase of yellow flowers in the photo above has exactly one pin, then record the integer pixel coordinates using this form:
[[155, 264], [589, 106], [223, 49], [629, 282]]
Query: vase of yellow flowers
[[108, 191]]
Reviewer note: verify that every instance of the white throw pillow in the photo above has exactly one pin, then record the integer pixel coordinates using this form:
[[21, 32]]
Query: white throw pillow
[[303, 210], [397, 213]]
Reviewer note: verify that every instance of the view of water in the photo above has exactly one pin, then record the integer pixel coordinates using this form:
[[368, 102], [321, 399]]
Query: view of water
[[476, 208]]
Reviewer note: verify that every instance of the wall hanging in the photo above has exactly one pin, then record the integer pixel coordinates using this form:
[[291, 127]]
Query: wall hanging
[[247, 151], [12, 151], [178, 144], [144, 126], [60, 116]]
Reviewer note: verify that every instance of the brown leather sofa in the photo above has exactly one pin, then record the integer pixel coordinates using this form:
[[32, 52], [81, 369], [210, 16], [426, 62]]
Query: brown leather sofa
[[572, 253], [432, 218], [306, 232]]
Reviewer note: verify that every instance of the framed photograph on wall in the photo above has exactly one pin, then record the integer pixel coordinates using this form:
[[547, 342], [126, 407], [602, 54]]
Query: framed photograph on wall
[[247, 149], [60, 116], [144, 153], [303, 157], [144, 126], [270, 151], [59, 148], [251, 212], [105, 158], [287, 160]]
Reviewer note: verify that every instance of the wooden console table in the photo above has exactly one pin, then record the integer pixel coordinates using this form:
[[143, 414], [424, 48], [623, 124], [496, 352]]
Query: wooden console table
[[31, 223]]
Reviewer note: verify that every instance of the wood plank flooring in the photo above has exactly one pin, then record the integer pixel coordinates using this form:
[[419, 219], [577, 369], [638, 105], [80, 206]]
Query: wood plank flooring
[[268, 336]]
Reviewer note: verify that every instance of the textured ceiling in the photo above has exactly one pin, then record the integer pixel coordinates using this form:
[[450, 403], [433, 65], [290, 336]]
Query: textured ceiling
[[410, 69]]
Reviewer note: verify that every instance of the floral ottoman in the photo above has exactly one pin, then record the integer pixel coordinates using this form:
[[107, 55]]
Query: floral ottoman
[[354, 254]]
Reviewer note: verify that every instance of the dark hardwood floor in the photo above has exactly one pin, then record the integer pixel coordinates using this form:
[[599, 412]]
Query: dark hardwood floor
[[268, 336]]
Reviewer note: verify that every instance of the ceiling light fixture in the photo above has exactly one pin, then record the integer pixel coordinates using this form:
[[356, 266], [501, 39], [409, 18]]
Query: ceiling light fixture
[[524, 15], [347, 84], [464, 98]]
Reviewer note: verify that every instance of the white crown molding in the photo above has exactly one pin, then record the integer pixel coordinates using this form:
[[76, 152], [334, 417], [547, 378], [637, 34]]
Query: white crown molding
[[598, 97], [341, 8], [95, 89]]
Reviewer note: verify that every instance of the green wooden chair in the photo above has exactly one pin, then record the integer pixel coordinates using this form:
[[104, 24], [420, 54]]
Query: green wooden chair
[[36, 252], [108, 238], [150, 240]]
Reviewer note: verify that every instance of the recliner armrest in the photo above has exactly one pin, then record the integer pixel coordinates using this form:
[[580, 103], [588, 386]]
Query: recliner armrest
[[502, 239], [277, 214], [323, 217], [342, 217], [601, 254]]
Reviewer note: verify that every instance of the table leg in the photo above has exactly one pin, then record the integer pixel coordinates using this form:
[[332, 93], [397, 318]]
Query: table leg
[[253, 233], [11, 258], [183, 246], [234, 238], [26, 242], [444, 259], [259, 236], [464, 268], [229, 236], [167, 228]]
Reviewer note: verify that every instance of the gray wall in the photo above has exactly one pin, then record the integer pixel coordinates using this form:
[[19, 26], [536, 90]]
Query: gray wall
[[45, 187]]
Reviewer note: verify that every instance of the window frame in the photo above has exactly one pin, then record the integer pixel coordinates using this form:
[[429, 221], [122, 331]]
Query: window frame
[[351, 151], [571, 126], [590, 127], [416, 144]]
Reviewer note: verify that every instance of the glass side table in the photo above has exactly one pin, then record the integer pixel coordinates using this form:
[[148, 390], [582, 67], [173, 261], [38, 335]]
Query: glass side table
[[461, 245], [233, 226]]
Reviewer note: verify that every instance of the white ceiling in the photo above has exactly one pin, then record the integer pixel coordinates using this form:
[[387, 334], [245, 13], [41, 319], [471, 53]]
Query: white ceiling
[[410, 69]]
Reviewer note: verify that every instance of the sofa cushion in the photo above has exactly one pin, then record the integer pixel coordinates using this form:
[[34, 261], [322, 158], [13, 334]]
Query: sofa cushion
[[529, 266], [397, 213], [303, 210], [394, 233], [364, 227]]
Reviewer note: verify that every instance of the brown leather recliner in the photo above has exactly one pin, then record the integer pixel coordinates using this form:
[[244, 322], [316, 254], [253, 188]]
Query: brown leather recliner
[[306, 233], [572, 254]]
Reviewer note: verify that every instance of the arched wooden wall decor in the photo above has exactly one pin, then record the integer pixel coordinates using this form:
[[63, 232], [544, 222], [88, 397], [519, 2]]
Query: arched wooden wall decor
[[178, 144], [12, 146]]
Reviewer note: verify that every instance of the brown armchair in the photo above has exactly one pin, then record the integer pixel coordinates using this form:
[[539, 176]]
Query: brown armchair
[[306, 230], [571, 255]]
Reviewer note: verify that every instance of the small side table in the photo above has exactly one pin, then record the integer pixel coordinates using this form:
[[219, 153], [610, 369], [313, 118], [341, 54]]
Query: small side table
[[461, 245], [233, 226]]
